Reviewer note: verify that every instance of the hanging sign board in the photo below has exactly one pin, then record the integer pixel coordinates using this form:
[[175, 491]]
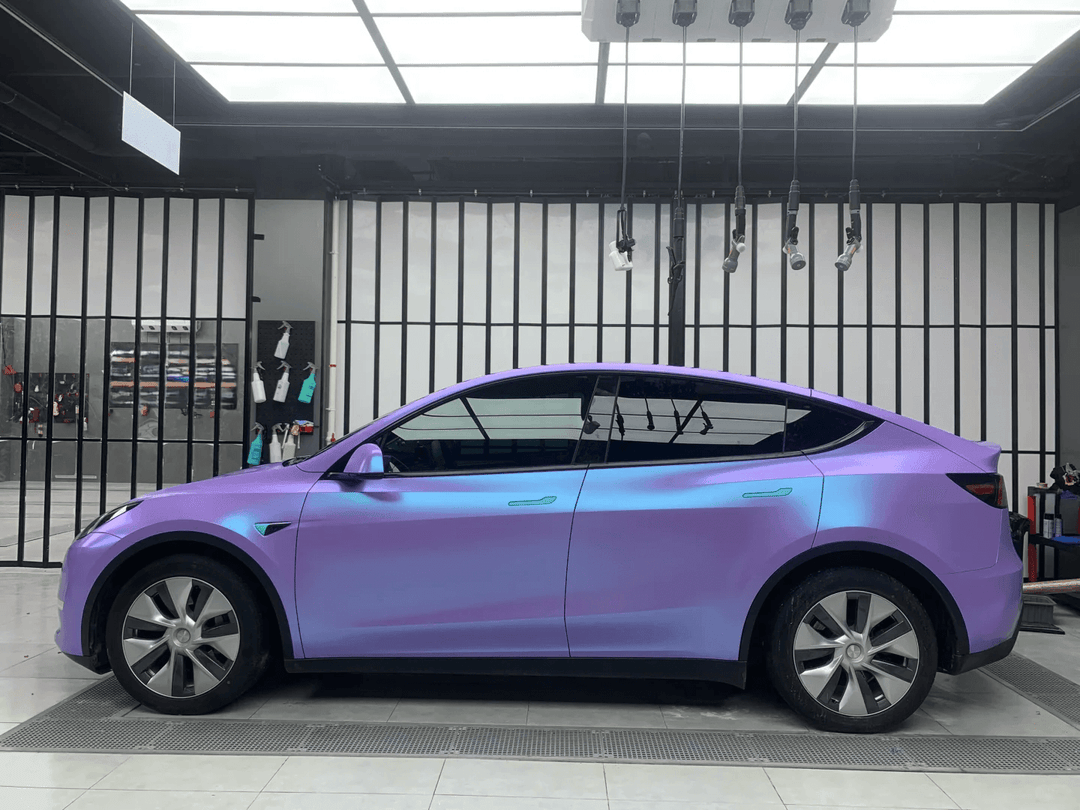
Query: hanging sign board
[[151, 134], [826, 25]]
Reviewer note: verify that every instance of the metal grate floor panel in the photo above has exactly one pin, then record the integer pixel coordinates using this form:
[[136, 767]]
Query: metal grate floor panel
[[94, 721]]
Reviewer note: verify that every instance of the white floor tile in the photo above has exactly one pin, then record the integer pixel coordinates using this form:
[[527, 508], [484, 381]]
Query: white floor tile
[[37, 798], [358, 710], [22, 698], [357, 775], [19, 769], [461, 712], [621, 805], [6, 727], [973, 791], [689, 783], [339, 801], [742, 711], [857, 788], [161, 800], [12, 654], [998, 711], [552, 780], [504, 803], [169, 772], [50, 664], [595, 715]]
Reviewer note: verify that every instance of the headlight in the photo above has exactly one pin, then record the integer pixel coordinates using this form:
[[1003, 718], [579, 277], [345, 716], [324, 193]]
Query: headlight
[[101, 521]]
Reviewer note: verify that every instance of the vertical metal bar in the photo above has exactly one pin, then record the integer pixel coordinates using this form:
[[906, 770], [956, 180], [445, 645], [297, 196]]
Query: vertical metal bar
[[868, 246], [783, 313], [27, 335], [192, 350], [433, 316], [517, 282], [926, 313], [811, 254], [727, 292], [628, 338], [137, 399], [347, 357], [487, 294], [110, 250], [1042, 342], [460, 293], [1057, 334], [982, 319], [376, 340], [697, 285], [163, 360], [543, 284], [220, 364], [956, 318], [898, 348], [84, 393], [601, 257], [327, 332], [656, 288], [46, 517], [1014, 256], [404, 387], [573, 278], [840, 303], [753, 289], [249, 322]]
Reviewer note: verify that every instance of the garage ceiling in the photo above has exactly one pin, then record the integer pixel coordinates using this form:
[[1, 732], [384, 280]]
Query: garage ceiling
[[508, 96]]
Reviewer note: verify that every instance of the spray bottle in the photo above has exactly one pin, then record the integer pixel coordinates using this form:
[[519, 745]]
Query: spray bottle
[[282, 390], [292, 441], [283, 345], [255, 453], [307, 390], [258, 390], [275, 445]]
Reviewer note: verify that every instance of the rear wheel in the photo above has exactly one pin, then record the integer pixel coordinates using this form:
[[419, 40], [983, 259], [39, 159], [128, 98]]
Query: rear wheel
[[853, 650], [184, 635]]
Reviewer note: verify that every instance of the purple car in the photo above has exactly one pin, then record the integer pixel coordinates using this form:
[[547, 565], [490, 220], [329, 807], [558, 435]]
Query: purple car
[[600, 520]]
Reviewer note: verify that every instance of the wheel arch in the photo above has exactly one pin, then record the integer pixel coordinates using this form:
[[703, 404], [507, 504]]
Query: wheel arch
[[131, 559], [948, 621]]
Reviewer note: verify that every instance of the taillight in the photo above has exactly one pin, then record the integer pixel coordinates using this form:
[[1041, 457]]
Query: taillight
[[987, 487]]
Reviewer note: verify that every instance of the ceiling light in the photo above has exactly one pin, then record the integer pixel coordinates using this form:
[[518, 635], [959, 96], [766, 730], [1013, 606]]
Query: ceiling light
[[965, 38], [987, 5], [516, 84], [487, 40], [715, 53], [350, 85], [705, 84], [473, 6], [307, 40], [912, 85], [273, 6]]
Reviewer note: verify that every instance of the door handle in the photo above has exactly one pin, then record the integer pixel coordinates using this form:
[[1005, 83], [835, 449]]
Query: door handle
[[776, 493], [538, 502]]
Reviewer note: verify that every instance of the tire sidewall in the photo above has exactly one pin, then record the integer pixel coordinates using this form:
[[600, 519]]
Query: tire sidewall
[[781, 664], [250, 661]]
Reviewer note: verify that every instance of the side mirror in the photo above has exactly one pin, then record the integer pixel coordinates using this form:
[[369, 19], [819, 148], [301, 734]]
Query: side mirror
[[366, 461]]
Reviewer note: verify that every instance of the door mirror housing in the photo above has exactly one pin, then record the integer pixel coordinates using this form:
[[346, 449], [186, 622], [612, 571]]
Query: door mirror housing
[[365, 462]]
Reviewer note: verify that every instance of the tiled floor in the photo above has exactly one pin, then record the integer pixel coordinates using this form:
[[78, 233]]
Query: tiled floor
[[34, 676]]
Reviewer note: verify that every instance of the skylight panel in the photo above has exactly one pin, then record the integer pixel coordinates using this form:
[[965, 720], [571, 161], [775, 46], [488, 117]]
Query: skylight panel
[[473, 6], [912, 85], [722, 53], [307, 40], [487, 40], [346, 85], [516, 84], [988, 5], [965, 38], [274, 6], [705, 84]]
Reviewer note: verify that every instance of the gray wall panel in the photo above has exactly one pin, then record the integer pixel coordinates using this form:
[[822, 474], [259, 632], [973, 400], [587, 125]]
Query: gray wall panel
[[1027, 264], [942, 379], [998, 263], [825, 359], [884, 388], [884, 248], [970, 256], [855, 361], [999, 389], [911, 265], [826, 284], [942, 270], [971, 385], [912, 366], [770, 228]]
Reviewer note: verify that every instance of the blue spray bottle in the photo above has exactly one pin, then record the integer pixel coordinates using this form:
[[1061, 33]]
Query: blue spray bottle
[[307, 390], [255, 453]]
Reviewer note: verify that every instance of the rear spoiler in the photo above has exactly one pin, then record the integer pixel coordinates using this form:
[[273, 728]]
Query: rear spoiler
[[986, 455]]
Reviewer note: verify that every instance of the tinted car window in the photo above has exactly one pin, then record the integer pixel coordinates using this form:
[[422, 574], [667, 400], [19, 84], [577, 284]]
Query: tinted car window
[[811, 425], [677, 419], [522, 423]]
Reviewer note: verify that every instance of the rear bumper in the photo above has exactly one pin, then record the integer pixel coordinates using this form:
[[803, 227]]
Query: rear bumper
[[90, 662], [966, 663]]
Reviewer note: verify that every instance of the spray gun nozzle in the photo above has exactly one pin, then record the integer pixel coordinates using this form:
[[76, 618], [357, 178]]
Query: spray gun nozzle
[[845, 259]]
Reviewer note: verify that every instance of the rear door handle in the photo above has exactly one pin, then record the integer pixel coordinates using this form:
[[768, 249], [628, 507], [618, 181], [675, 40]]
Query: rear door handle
[[550, 499], [776, 493]]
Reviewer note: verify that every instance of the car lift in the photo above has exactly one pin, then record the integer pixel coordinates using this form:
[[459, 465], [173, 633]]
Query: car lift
[[627, 14], [856, 13], [740, 15]]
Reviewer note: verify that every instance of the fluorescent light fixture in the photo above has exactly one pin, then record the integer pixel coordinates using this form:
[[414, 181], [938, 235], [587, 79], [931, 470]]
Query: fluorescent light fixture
[[965, 38], [321, 84], [912, 85], [307, 40], [715, 53], [473, 6], [517, 84], [150, 134], [275, 6], [487, 40], [705, 84], [987, 5]]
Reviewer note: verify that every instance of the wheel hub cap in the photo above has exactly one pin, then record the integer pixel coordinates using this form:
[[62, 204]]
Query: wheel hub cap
[[181, 637], [856, 653]]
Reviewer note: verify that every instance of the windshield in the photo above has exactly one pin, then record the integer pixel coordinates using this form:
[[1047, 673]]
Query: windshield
[[337, 443]]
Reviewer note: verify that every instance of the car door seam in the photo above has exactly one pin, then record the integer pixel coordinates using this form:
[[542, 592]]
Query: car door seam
[[569, 544]]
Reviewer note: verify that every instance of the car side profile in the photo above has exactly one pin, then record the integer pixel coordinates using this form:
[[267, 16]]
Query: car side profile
[[586, 519]]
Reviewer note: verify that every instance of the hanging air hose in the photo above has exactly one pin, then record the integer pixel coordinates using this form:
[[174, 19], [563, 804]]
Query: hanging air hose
[[627, 14], [855, 14], [741, 14], [798, 14], [683, 14]]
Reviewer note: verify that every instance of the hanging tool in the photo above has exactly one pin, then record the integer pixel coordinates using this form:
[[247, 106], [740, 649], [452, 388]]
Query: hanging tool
[[627, 14], [683, 14], [855, 14], [740, 15], [255, 453], [798, 14]]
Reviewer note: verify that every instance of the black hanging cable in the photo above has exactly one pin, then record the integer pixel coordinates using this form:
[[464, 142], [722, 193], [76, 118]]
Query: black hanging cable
[[741, 14], [627, 13], [683, 14], [855, 14], [798, 13]]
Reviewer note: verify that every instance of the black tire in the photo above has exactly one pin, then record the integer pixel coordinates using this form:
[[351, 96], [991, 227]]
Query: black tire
[[822, 710], [237, 675]]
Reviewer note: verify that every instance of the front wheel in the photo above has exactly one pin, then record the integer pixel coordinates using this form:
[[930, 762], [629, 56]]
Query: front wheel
[[184, 635], [852, 650]]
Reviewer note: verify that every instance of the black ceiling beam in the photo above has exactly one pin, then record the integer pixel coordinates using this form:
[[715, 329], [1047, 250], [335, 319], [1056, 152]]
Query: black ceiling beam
[[384, 51]]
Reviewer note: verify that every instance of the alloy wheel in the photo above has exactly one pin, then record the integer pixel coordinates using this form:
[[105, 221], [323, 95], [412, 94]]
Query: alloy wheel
[[856, 653], [181, 637]]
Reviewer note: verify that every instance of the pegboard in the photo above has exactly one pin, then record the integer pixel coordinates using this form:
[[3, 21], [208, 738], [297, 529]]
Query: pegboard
[[301, 352]]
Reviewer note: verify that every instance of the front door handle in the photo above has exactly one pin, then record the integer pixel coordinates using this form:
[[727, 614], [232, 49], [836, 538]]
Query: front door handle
[[776, 493], [538, 502]]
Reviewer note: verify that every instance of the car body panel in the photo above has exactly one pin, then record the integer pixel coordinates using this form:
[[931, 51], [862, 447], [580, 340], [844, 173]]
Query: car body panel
[[665, 560], [464, 565]]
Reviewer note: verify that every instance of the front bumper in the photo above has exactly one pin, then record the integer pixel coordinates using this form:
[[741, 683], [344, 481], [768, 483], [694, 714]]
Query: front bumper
[[83, 564]]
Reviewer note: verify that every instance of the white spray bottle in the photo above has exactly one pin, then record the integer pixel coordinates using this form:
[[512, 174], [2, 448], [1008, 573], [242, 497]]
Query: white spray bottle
[[289, 448], [283, 345], [275, 445], [282, 390], [258, 390]]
